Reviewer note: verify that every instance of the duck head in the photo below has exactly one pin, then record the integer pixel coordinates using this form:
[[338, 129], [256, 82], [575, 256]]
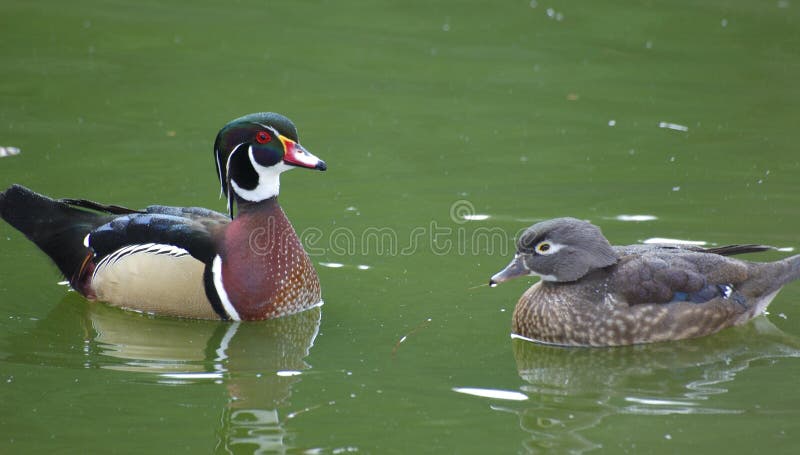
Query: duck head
[[252, 151], [560, 250]]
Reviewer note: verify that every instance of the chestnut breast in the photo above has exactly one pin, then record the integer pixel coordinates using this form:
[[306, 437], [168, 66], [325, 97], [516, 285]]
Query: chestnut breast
[[266, 272]]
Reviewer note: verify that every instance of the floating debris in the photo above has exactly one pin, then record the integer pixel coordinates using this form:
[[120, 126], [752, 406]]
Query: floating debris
[[288, 373], [491, 393], [339, 265], [673, 126], [416, 329], [476, 217], [9, 151], [636, 217]]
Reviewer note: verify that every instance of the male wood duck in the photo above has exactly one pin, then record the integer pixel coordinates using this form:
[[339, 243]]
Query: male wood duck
[[595, 294], [188, 261]]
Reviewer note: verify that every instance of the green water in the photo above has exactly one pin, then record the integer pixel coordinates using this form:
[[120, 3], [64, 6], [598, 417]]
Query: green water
[[425, 112]]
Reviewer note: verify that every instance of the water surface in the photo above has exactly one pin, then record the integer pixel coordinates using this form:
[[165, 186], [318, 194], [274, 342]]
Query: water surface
[[447, 127]]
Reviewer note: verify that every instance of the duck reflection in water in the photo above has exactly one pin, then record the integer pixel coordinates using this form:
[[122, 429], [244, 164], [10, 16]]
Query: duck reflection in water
[[574, 390], [256, 362]]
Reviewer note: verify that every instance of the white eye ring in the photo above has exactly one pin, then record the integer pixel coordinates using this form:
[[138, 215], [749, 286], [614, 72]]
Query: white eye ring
[[546, 248]]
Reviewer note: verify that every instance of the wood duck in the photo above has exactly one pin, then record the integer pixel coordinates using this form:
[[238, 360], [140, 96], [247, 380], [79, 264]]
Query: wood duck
[[595, 294], [188, 261]]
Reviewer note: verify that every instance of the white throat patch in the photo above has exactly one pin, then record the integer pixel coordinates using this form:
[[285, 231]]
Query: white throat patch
[[268, 180], [545, 277]]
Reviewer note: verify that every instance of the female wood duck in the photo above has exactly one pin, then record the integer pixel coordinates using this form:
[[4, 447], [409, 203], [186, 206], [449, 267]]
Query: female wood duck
[[188, 261], [595, 294]]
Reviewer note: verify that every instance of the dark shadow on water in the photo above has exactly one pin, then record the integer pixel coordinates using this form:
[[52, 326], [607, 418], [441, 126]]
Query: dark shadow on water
[[572, 390], [255, 364]]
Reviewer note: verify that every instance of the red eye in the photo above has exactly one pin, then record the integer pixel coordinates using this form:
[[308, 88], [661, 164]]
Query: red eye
[[262, 137]]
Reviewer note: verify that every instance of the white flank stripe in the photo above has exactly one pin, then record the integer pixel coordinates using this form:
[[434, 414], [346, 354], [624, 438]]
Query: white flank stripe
[[216, 272]]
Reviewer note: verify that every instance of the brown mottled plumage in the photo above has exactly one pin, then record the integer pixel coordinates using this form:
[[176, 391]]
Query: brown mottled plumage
[[593, 294]]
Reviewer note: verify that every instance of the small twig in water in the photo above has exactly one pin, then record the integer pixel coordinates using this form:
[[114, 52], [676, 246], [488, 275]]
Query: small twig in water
[[416, 329]]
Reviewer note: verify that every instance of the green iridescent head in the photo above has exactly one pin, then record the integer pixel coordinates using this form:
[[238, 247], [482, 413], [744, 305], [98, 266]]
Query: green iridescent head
[[253, 150]]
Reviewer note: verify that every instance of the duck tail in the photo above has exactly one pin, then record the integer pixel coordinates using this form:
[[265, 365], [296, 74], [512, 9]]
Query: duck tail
[[791, 270], [56, 227]]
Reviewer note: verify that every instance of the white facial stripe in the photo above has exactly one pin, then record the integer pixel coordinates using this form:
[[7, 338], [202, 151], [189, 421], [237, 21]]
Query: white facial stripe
[[216, 273], [229, 196], [267, 127], [228, 163], [219, 171]]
